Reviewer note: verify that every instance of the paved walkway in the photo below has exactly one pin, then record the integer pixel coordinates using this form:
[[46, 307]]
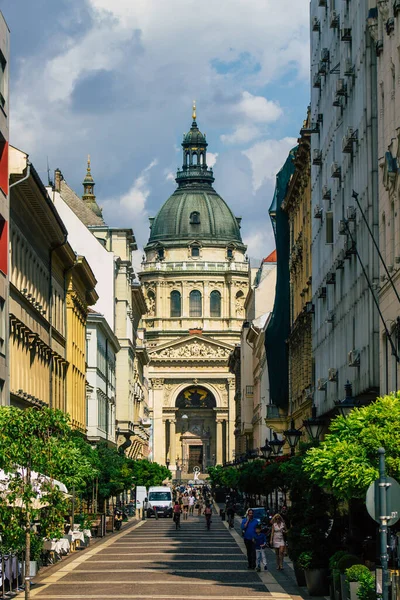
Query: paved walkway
[[151, 560]]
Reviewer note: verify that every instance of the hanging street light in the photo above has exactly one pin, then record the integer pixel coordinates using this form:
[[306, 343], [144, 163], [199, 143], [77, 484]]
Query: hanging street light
[[276, 444], [266, 450], [346, 406], [293, 436], [314, 425]]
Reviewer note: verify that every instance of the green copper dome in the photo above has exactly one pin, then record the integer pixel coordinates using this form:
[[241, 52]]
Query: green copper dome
[[195, 211]]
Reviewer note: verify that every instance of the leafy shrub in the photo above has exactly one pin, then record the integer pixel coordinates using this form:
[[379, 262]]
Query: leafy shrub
[[356, 572], [312, 560], [334, 559], [366, 591], [347, 561]]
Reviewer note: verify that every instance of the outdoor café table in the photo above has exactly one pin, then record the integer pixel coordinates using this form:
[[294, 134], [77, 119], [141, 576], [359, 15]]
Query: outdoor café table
[[73, 537], [58, 546]]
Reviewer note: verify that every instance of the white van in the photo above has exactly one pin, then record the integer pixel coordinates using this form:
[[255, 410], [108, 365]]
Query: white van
[[141, 495], [160, 500]]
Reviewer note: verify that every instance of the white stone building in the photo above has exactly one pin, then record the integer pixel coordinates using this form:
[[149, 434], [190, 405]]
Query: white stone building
[[344, 158]]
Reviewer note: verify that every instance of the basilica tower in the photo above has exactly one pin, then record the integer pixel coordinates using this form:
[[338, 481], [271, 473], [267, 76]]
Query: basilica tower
[[195, 276]]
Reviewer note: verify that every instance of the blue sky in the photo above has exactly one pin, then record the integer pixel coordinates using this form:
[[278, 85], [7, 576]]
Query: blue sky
[[115, 79]]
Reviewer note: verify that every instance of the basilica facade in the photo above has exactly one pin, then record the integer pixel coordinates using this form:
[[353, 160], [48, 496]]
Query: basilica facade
[[195, 276]]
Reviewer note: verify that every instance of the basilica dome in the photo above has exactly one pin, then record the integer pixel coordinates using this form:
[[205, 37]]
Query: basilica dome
[[195, 211]]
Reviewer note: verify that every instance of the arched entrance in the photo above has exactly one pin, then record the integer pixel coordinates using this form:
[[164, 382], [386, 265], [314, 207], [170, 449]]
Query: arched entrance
[[195, 418]]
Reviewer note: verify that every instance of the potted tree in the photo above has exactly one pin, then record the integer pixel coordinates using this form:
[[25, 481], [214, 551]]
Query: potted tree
[[316, 571], [347, 561], [354, 576], [335, 574]]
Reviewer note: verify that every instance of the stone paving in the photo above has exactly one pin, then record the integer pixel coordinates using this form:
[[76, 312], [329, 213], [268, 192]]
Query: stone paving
[[151, 560]]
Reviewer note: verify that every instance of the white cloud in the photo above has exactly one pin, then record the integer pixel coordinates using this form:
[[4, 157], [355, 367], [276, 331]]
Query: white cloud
[[170, 176], [241, 135], [267, 158], [133, 204], [258, 109], [260, 242], [211, 159]]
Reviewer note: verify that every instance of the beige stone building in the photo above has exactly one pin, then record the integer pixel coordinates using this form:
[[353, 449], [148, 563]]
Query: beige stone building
[[384, 24], [121, 302], [195, 277]]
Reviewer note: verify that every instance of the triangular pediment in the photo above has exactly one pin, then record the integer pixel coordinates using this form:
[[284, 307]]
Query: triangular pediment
[[191, 348]]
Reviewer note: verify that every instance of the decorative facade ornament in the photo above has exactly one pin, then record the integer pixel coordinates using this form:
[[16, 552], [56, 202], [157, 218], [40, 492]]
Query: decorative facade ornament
[[193, 350], [157, 384]]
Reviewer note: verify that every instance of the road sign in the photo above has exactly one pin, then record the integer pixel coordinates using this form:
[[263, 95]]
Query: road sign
[[392, 501]]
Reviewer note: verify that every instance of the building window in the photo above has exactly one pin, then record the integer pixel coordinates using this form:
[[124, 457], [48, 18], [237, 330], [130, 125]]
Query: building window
[[329, 227], [195, 251], [195, 304], [160, 253], [175, 304], [102, 411], [2, 326], [215, 304], [229, 253], [195, 218]]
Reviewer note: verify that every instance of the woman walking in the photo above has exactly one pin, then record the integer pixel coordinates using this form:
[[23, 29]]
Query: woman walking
[[278, 531], [177, 514]]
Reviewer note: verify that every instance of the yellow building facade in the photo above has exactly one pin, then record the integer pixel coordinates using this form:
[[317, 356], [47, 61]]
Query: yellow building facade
[[80, 284]]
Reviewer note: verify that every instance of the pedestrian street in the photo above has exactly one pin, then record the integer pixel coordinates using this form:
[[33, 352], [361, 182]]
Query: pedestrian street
[[151, 560]]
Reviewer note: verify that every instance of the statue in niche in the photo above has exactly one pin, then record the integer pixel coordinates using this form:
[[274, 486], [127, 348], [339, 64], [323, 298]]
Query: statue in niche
[[151, 304], [239, 305]]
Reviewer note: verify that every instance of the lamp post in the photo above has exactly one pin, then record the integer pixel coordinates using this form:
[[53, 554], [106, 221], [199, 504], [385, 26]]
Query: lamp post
[[346, 406], [266, 450], [314, 425], [293, 436], [276, 444]]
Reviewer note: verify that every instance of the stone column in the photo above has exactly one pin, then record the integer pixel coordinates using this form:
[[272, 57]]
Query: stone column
[[230, 425], [219, 443], [172, 444], [157, 385]]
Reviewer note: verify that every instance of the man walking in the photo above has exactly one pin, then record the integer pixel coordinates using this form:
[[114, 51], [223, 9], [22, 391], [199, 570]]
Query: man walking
[[249, 531]]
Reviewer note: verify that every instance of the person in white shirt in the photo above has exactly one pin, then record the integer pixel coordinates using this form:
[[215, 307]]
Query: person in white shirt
[[191, 504]]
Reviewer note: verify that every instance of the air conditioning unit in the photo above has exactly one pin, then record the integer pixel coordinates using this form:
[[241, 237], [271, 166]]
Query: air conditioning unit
[[383, 278], [336, 100], [345, 34], [351, 213], [353, 358], [342, 227], [326, 193], [350, 248], [397, 259], [336, 170], [322, 292], [317, 157], [321, 385], [390, 268], [331, 317], [347, 141], [331, 278], [322, 67], [332, 374], [321, 2], [310, 308], [325, 55], [309, 392], [317, 212], [317, 80], [316, 24], [339, 263], [334, 19], [348, 68], [341, 87]]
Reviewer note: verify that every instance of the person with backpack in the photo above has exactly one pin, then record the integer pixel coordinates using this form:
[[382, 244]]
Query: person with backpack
[[208, 514], [177, 514]]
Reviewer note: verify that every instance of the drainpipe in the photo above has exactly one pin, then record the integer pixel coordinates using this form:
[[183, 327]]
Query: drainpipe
[[28, 173], [107, 390]]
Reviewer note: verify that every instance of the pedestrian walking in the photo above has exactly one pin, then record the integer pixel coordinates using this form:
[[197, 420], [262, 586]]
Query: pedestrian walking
[[208, 515], [260, 541], [199, 506], [192, 500], [277, 541], [230, 513], [177, 514], [249, 530], [185, 505]]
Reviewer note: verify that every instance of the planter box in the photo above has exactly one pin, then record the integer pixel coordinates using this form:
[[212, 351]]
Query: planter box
[[299, 574], [317, 581], [354, 585], [344, 587]]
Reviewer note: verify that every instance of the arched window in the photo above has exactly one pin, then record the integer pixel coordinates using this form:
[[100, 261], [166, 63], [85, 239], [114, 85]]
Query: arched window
[[195, 218], [194, 158], [215, 304], [160, 253], [175, 304], [195, 309], [195, 251]]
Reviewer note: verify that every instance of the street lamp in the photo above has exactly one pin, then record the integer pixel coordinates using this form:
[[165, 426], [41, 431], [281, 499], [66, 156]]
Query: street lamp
[[167, 463], [293, 436], [266, 450], [276, 444], [314, 425], [346, 406]]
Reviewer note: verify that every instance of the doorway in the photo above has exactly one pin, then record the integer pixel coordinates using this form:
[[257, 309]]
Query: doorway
[[195, 457]]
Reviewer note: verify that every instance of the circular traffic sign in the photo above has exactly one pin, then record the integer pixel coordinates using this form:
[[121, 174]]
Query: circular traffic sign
[[392, 501]]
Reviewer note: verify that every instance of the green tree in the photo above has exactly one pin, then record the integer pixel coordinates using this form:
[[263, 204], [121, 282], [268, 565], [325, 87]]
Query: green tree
[[347, 461], [36, 448], [149, 473]]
